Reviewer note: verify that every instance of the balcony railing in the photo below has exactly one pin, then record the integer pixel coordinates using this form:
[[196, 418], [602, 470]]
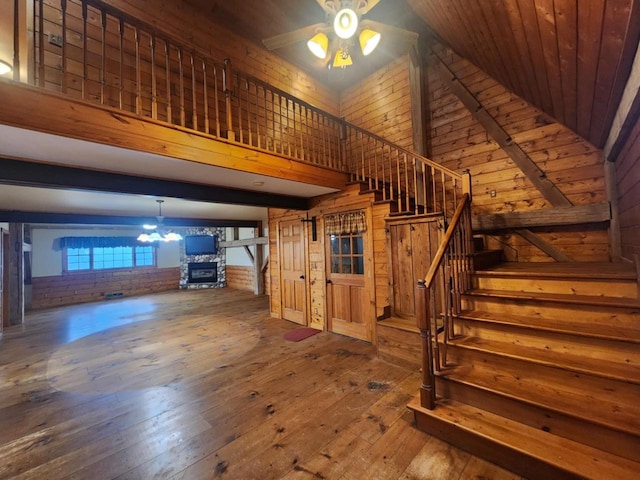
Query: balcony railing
[[92, 51]]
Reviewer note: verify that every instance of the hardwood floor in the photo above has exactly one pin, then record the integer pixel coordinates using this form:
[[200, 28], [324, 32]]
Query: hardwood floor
[[200, 384]]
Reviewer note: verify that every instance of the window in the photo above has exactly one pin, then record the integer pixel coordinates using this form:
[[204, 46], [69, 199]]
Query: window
[[101, 258], [347, 253]]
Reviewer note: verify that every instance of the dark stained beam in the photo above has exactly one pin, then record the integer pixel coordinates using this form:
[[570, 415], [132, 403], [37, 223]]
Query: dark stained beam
[[82, 219], [34, 174], [581, 214]]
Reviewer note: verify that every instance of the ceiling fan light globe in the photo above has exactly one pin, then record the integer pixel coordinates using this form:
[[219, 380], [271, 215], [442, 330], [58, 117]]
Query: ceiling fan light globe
[[346, 23], [147, 226], [318, 45], [369, 40], [144, 237]]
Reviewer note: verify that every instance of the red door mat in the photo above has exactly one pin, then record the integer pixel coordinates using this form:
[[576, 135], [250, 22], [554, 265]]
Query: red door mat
[[299, 334]]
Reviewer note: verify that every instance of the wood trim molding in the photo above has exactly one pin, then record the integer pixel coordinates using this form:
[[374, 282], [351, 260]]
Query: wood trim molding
[[530, 169]]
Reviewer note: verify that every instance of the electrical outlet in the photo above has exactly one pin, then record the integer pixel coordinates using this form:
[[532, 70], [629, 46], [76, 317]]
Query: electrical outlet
[[492, 193], [55, 39]]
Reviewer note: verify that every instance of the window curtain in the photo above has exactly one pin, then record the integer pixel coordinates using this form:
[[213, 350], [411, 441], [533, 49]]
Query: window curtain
[[341, 223], [92, 242]]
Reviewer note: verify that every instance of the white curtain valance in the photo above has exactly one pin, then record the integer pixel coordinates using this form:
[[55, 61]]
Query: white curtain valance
[[350, 222]]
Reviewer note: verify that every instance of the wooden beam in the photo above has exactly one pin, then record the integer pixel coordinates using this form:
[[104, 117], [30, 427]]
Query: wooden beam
[[258, 277], [530, 169], [245, 242], [627, 115], [43, 175], [250, 255], [581, 214], [546, 247], [615, 235]]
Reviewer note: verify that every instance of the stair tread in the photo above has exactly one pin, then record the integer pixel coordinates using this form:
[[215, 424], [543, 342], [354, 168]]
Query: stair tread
[[604, 401], [588, 270], [556, 325], [609, 369], [558, 297], [561, 452]]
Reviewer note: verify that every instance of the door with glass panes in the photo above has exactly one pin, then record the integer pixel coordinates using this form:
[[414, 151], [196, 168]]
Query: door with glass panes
[[346, 294]]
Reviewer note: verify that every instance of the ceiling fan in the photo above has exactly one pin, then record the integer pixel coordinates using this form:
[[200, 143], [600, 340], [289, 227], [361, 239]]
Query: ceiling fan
[[334, 39]]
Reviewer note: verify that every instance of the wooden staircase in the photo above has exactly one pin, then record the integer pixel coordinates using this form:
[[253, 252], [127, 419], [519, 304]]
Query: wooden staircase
[[542, 372]]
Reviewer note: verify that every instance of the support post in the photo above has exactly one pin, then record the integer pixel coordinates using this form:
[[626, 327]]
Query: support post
[[466, 183], [258, 258], [428, 387]]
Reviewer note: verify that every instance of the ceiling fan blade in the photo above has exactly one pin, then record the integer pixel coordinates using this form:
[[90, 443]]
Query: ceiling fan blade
[[369, 4], [294, 36], [385, 29], [328, 6]]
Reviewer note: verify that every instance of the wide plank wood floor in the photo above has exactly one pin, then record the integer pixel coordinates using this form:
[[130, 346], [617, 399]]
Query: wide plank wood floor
[[200, 384]]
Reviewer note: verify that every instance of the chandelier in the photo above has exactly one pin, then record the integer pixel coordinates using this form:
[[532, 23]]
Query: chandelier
[[157, 233], [345, 26]]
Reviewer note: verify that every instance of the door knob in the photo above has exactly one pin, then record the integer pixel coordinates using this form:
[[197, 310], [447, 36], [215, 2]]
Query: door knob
[[301, 277], [329, 281]]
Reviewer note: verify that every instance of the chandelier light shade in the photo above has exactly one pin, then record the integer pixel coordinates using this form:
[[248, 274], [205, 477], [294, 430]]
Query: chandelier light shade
[[5, 67], [319, 45], [369, 40], [158, 233], [346, 23]]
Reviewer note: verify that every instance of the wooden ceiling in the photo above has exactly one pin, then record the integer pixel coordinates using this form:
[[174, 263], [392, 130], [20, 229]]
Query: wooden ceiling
[[570, 58]]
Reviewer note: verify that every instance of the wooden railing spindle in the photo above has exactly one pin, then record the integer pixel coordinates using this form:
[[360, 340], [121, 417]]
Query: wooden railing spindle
[[84, 51], [154, 86], [63, 81], [103, 55], [121, 72], [183, 116], [167, 72]]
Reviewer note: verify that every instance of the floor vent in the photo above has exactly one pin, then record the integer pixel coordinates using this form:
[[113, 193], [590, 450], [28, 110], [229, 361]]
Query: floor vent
[[113, 295]]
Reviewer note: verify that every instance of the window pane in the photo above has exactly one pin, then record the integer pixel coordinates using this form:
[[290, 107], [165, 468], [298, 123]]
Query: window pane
[[346, 245], [335, 244], [144, 256], [356, 245], [78, 259], [335, 264], [346, 264], [358, 265]]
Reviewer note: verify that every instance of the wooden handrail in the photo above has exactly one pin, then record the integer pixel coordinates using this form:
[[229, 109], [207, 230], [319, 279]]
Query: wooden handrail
[[454, 249], [446, 240]]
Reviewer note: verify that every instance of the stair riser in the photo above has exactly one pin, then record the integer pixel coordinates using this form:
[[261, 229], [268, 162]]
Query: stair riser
[[610, 288], [553, 310], [612, 441], [613, 404], [508, 457], [603, 349]]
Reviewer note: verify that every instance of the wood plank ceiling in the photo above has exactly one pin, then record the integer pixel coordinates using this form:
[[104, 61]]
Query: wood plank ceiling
[[570, 58]]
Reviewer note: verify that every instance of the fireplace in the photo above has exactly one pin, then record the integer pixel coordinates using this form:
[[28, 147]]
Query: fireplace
[[203, 272]]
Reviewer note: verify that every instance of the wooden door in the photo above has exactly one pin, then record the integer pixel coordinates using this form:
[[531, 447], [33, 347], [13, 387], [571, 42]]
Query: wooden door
[[292, 271], [411, 247], [347, 297]]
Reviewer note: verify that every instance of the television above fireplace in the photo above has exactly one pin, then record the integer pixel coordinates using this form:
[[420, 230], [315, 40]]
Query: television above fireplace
[[200, 244]]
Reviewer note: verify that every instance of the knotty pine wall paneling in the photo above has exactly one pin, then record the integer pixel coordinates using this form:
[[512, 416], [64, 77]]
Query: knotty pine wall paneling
[[628, 180], [381, 103], [459, 142]]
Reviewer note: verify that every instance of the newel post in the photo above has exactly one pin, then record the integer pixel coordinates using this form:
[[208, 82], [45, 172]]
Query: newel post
[[227, 79], [466, 183], [428, 387]]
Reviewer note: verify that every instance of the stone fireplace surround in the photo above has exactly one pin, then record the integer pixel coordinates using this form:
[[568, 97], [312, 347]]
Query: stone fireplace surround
[[219, 259]]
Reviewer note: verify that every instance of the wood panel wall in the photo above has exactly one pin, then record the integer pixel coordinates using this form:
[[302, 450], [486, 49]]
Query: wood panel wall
[[90, 287], [349, 199], [628, 179], [459, 142], [241, 277], [381, 103]]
